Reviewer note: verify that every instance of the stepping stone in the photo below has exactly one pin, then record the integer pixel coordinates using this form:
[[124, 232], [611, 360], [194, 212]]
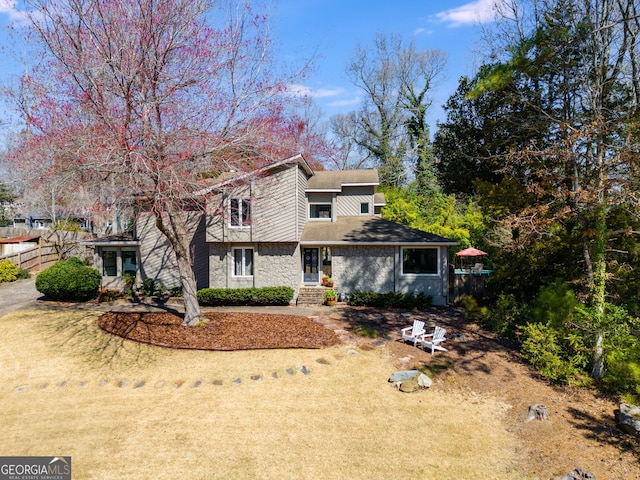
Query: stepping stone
[[275, 375], [159, 384], [123, 383], [353, 352], [217, 383], [197, 384], [84, 383], [140, 384], [21, 388], [367, 348], [103, 383], [179, 383], [43, 385], [256, 377], [291, 371], [237, 380], [64, 384], [322, 361], [305, 370]]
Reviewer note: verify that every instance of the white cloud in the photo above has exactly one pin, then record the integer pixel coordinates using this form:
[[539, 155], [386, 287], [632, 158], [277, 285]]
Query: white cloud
[[304, 91], [347, 102], [422, 31], [10, 8], [478, 11]]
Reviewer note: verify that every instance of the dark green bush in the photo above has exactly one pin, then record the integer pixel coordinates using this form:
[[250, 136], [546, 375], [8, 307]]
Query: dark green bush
[[245, 296], [389, 300], [69, 280], [23, 274]]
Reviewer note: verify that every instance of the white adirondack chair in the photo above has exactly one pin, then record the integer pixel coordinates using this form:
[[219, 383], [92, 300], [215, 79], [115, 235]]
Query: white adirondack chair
[[433, 340], [413, 333]]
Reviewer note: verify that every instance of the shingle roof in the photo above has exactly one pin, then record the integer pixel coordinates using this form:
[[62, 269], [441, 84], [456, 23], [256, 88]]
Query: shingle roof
[[367, 230], [333, 180]]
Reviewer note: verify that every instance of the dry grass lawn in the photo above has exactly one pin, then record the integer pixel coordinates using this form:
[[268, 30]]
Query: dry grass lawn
[[68, 388]]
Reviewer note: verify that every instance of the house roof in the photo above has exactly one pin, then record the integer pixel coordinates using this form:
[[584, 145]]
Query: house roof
[[233, 178], [334, 180], [20, 239], [121, 240], [378, 199], [367, 230]]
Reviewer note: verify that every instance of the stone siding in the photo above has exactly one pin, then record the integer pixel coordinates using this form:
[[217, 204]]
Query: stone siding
[[363, 268], [274, 264]]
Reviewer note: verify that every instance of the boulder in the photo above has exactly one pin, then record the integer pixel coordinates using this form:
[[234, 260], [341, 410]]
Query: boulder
[[410, 380], [403, 375], [628, 418], [578, 474], [538, 412]]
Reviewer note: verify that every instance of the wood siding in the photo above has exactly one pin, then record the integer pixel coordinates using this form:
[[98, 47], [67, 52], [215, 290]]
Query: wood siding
[[348, 202], [157, 260], [275, 210], [301, 199]]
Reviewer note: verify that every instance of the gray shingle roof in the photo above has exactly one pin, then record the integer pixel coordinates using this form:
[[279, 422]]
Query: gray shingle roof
[[367, 230], [335, 179]]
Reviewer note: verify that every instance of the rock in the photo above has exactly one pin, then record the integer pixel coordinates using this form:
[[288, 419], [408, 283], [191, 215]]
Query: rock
[[403, 375], [628, 418], [537, 412], [424, 381], [410, 380], [578, 474]]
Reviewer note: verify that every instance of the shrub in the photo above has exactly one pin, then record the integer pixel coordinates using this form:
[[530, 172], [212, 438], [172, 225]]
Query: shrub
[[389, 300], [245, 296], [505, 315], [23, 274], [542, 348], [69, 280], [8, 271]]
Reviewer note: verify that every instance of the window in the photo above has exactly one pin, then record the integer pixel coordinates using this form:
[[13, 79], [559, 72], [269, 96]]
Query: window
[[240, 215], [129, 262], [243, 262], [320, 211], [364, 207], [420, 261], [109, 263]]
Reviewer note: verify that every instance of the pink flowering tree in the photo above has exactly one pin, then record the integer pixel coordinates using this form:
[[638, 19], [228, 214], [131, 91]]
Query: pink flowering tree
[[134, 99]]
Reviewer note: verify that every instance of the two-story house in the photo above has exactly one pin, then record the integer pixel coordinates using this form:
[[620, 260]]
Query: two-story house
[[288, 225]]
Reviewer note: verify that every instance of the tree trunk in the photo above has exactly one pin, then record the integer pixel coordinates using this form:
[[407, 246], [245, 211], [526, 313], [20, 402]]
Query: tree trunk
[[599, 290], [176, 233], [598, 355]]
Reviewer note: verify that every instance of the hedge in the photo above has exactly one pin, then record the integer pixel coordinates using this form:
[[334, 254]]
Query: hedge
[[389, 300], [214, 297]]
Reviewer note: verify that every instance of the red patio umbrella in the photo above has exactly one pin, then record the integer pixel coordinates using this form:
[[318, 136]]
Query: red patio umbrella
[[470, 252]]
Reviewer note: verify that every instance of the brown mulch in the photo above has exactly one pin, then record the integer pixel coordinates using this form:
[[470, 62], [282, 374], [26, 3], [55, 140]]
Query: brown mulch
[[220, 331]]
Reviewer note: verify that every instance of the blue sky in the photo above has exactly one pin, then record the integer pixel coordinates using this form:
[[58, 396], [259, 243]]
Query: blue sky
[[331, 29]]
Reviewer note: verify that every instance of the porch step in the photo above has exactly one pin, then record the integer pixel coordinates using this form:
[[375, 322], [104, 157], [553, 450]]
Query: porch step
[[311, 296]]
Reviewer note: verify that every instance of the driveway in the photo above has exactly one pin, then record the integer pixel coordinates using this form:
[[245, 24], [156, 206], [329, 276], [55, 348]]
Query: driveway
[[18, 295]]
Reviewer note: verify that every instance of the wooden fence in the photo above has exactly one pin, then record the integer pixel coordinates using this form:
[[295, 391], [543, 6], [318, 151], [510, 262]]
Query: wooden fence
[[34, 259]]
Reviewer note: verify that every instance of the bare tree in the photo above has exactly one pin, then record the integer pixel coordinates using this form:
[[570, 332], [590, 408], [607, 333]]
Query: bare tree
[[390, 128]]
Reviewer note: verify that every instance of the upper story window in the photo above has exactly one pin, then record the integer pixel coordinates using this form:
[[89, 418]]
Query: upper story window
[[321, 211], [419, 261], [240, 212]]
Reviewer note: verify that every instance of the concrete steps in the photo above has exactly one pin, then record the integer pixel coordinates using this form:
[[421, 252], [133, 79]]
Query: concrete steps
[[311, 296]]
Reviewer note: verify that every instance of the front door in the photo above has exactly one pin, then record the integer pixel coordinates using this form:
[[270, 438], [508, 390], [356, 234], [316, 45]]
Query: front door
[[310, 263]]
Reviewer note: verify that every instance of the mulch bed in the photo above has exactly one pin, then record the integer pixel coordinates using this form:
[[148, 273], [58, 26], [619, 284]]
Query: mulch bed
[[221, 331]]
